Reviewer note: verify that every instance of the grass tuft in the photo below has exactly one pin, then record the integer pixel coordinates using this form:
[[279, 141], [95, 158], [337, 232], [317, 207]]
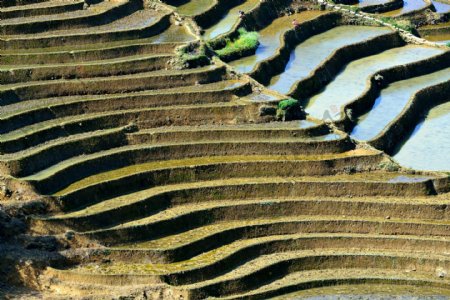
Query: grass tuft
[[245, 44]]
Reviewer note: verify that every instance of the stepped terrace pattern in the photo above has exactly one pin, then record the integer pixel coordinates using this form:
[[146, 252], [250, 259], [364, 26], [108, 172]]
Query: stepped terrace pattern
[[145, 167]]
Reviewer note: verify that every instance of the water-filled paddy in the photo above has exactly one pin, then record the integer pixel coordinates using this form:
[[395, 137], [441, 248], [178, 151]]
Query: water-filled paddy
[[439, 33], [365, 3], [408, 7], [353, 79], [441, 7], [270, 39], [194, 7], [229, 19], [308, 55], [173, 34], [392, 101], [429, 145], [443, 38]]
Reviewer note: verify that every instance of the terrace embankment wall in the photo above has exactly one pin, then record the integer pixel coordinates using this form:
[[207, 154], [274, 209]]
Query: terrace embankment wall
[[161, 24], [215, 12], [383, 7], [364, 103], [276, 64], [402, 126], [329, 68], [255, 19]]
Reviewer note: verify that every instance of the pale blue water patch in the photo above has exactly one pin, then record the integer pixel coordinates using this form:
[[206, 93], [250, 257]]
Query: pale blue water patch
[[306, 123], [353, 80], [408, 179], [260, 97], [391, 103], [227, 22], [311, 53], [428, 148], [365, 3], [441, 7], [408, 7]]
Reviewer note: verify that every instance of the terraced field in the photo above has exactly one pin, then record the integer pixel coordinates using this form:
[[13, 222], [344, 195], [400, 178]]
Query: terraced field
[[146, 167]]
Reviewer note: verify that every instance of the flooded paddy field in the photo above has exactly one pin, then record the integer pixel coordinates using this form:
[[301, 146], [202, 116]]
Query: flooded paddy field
[[428, 146], [270, 39], [392, 102], [344, 88], [409, 6], [310, 54], [229, 19]]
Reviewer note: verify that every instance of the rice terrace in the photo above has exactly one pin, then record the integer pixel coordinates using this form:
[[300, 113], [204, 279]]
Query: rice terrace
[[224, 149]]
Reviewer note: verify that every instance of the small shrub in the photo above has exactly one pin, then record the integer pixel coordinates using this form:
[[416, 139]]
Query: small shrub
[[245, 44], [448, 44], [289, 109], [287, 103]]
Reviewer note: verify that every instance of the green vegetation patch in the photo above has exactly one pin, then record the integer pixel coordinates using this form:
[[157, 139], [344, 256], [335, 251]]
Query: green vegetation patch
[[399, 24], [448, 44], [287, 103], [245, 44], [289, 109]]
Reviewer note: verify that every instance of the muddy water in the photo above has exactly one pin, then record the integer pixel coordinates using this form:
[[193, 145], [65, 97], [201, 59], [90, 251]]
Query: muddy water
[[353, 80], [194, 7], [428, 148], [369, 292], [443, 38], [441, 7], [408, 6], [228, 20], [308, 55], [392, 101], [174, 34], [270, 39]]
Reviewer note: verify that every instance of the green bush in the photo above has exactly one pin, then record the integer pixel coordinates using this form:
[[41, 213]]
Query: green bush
[[244, 44], [287, 103], [448, 44], [289, 109]]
